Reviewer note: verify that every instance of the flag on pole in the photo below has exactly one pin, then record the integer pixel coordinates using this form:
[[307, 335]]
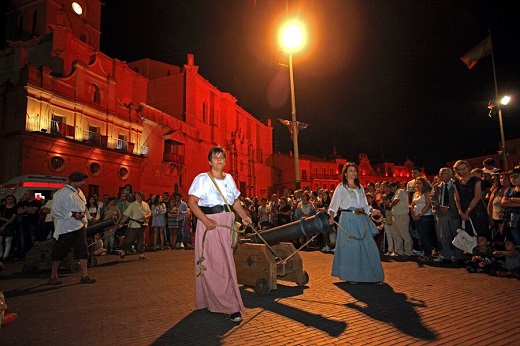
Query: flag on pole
[[299, 125], [481, 50]]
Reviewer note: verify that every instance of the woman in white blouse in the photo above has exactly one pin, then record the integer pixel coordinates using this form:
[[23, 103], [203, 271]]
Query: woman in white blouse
[[356, 258], [421, 208], [216, 284]]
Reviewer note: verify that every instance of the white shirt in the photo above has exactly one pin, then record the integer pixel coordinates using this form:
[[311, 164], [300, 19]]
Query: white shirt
[[204, 189], [419, 204], [346, 198], [65, 201], [401, 208], [49, 217]]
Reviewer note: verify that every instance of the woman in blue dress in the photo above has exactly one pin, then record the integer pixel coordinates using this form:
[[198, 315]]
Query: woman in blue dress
[[356, 258]]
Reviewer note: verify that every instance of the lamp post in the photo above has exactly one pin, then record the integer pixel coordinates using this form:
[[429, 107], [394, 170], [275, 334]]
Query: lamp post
[[292, 38], [505, 100]]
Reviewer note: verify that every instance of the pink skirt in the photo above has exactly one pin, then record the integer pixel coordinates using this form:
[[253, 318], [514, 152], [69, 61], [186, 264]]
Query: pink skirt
[[217, 290]]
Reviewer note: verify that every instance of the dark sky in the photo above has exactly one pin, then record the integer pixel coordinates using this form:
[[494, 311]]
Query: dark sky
[[376, 77]]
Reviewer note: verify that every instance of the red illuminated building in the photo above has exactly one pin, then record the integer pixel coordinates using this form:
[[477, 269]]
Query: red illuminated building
[[66, 106]]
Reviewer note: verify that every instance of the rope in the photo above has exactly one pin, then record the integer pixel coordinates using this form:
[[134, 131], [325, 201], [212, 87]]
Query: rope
[[352, 236], [201, 268]]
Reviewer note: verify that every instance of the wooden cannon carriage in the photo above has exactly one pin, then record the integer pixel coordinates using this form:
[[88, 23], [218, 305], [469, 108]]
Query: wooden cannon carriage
[[262, 259]]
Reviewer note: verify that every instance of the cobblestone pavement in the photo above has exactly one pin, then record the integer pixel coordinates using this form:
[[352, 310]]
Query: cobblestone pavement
[[152, 303]]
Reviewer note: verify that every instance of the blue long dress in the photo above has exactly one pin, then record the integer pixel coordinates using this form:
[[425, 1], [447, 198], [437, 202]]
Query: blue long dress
[[355, 259]]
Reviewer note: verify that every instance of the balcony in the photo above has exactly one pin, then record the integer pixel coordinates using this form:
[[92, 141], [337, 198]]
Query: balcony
[[176, 159], [60, 129], [324, 176]]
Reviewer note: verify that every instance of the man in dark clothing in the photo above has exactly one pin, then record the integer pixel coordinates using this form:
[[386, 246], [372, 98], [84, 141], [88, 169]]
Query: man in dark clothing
[[28, 216]]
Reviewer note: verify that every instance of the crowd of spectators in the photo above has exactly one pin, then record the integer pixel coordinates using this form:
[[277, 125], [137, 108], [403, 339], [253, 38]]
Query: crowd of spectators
[[29, 221], [420, 218]]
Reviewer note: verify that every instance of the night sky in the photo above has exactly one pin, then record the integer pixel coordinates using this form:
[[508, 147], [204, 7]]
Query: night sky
[[377, 77]]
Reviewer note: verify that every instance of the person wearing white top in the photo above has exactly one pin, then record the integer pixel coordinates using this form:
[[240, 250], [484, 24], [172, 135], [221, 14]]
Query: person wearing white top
[[216, 284], [356, 257], [422, 215], [68, 209]]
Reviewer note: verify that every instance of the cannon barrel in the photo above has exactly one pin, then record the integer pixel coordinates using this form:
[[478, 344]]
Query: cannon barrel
[[101, 225], [302, 228]]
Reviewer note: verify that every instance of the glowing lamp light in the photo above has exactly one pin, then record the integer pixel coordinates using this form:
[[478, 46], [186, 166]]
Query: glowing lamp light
[[505, 100], [292, 36], [77, 8]]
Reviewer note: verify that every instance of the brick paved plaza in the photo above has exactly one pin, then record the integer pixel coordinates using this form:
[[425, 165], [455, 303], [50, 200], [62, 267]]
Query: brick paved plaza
[[152, 303]]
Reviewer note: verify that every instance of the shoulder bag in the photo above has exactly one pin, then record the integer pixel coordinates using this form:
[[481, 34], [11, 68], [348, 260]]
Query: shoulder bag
[[463, 240]]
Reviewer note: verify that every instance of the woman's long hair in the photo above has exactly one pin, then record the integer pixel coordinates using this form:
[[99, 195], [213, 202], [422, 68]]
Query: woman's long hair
[[426, 185], [344, 174]]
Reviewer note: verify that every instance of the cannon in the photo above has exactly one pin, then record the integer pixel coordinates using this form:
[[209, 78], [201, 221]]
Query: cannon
[[39, 257], [260, 262]]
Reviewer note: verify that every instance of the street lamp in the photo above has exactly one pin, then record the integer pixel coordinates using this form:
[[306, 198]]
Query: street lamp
[[505, 100], [292, 38]]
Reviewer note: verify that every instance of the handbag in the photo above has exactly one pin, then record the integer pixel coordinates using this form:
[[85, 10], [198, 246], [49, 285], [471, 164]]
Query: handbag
[[234, 229], [463, 240]]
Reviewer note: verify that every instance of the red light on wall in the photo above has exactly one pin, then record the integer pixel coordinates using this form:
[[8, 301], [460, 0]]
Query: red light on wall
[[42, 185]]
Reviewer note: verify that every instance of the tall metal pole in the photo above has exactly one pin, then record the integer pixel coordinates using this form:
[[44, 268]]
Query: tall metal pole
[[502, 137], [503, 140], [294, 127]]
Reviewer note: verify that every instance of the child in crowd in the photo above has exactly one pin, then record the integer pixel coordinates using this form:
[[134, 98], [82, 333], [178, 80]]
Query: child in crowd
[[98, 247], [509, 265], [482, 257], [5, 318]]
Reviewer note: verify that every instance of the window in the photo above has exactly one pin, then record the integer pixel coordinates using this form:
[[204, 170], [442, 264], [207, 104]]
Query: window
[[204, 113], [20, 27], [93, 189], [94, 168], [57, 163], [96, 94], [93, 136], [123, 173], [34, 22], [304, 175], [121, 143]]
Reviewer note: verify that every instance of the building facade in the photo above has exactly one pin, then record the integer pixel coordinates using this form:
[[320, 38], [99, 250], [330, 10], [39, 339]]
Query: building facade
[[316, 172], [66, 106]]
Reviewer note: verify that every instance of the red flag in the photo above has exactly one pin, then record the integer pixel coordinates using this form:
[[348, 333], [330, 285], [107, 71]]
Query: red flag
[[481, 50]]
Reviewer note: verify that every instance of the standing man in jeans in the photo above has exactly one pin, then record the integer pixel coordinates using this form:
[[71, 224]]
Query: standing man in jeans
[[138, 212], [68, 208], [183, 210]]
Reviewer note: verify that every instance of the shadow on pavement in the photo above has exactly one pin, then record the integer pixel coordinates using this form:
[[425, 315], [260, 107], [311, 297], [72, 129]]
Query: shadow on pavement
[[212, 326], [201, 327], [272, 303], [383, 304]]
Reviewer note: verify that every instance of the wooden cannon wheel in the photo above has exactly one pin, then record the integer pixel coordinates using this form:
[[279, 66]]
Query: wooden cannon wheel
[[262, 286], [305, 279]]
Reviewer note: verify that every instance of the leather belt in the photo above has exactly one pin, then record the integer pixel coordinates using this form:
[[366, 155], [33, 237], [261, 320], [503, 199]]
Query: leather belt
[[213, 210], [354, 211]]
